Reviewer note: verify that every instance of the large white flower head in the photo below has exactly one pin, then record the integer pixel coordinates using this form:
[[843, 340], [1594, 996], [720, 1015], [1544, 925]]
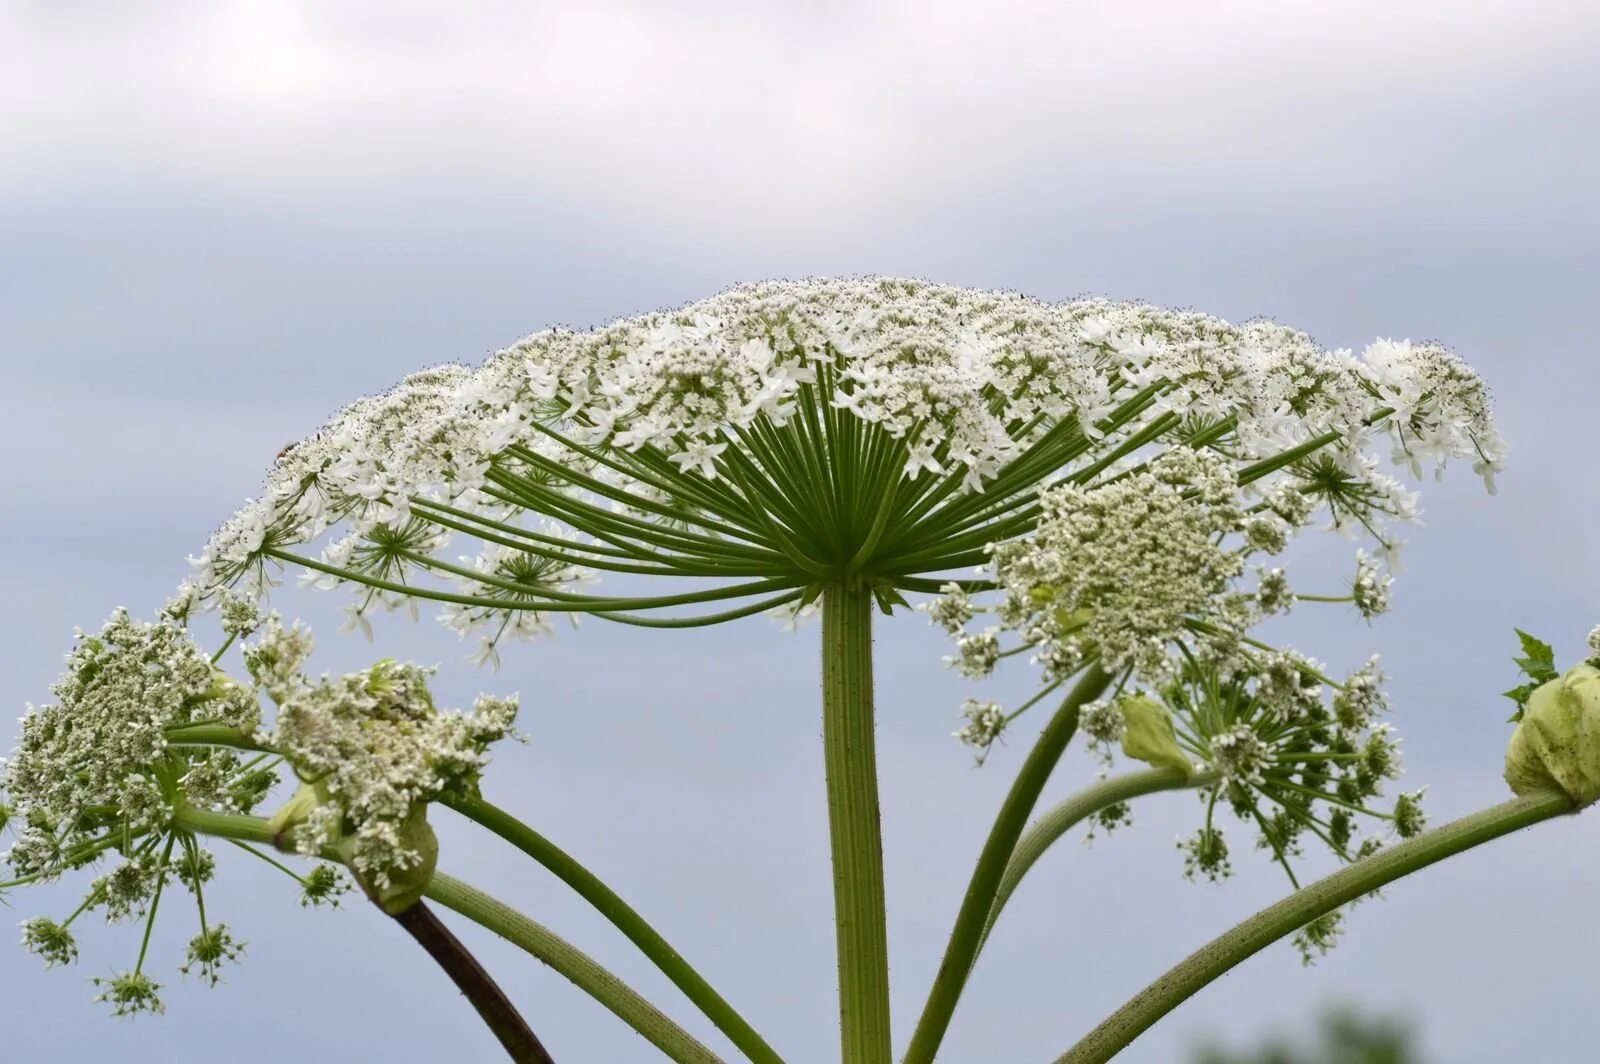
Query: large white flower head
[[780, 435]]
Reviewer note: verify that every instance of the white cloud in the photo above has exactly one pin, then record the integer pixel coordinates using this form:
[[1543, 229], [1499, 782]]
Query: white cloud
[[733, 117]]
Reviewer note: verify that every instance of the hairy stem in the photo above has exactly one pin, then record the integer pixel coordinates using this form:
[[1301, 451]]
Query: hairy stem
[[533, 938], [853, 823], [582, 970], [624, 918], [1318, 899], [1076, 808], [967, 934], [475, 983]]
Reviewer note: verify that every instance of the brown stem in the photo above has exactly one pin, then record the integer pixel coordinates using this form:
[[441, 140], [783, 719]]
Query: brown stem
[[475, 983]]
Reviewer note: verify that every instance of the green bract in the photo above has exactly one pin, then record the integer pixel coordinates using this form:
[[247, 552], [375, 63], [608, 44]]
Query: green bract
[[1557, 744], [1149, 735]]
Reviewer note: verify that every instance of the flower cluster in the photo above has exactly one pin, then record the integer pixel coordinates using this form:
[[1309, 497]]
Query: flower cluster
[[787, 432], [1121, 567], [371, 751], [1370, 590], [99, 755], [96, 776], [1295, 756], [985, 721], [1130, 572], [148, 738]]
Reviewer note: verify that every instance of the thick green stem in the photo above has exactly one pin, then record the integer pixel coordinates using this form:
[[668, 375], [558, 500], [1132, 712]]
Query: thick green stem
[[582, 970], [853, 823], [1073, 810], [1300, 908], [535, 939], [967, 934], [624, 918]]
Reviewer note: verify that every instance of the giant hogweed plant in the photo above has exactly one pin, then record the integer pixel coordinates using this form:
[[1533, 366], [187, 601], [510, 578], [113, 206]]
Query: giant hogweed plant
[[1102, 488]]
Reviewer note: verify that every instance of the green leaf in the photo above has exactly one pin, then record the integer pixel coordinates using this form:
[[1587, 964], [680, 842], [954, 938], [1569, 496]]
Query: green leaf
[[1539, 662]]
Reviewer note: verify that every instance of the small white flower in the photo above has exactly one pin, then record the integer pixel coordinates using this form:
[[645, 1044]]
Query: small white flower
[[355, 617], [1370, 587], [984, 723], [488, 653], [700, 457]]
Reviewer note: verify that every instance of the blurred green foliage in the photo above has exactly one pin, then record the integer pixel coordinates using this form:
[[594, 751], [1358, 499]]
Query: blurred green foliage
[[1344, 1037]]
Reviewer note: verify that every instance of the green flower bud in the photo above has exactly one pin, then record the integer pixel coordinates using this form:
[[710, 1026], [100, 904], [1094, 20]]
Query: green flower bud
[[1557, 745], [1149, 736]]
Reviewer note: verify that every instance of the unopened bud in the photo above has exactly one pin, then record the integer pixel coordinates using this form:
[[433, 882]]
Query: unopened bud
[[1557, 744]]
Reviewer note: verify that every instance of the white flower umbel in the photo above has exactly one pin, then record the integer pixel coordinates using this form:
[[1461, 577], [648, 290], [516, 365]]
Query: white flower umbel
[[95, 778], [99, 754], [147, 738], [371, 751], [1296, 756], [781, 435], [1117, 570]]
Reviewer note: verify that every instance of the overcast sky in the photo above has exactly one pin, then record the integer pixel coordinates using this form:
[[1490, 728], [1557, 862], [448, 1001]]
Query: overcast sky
[[219, 222]]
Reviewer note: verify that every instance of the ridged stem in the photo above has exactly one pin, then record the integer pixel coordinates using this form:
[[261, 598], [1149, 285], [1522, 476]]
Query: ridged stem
[[624, 919], [534, 938], [853, 822], [967, 934], [1300, 908], [575, 965], [1076, 808]]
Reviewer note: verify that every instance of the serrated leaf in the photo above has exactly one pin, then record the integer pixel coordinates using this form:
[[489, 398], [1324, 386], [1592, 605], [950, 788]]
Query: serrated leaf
[[1539, 660]]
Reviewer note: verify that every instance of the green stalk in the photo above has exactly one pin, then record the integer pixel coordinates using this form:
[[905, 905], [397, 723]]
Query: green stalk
[[853, 823], [967, 934], [565, 604], [1300, 908], [1073, 810], [534, 938], [579, 968], [624, 919]]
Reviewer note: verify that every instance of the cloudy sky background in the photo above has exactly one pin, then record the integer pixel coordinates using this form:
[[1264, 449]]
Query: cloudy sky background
[[219, 222]]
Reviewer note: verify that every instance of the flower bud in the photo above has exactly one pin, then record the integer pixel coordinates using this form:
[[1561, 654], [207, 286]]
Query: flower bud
[[1557, 744], [1150, 736]]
